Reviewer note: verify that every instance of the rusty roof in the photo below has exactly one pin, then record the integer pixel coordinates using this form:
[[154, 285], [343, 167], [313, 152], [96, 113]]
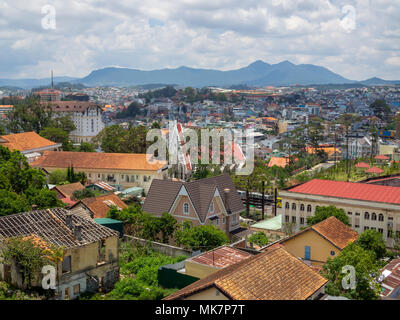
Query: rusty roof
[[391, 278], [96, 160], [220, 257], [272, 275]]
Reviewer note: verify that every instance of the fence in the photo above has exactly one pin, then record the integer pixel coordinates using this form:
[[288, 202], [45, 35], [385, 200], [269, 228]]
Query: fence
[[160, 247]]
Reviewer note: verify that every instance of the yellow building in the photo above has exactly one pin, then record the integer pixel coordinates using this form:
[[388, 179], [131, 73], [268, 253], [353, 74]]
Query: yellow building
[[317, 243], [90, 251], [125, 169]]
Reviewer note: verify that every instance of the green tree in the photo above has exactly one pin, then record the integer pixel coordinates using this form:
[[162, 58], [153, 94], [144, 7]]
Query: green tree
[[82, 194], [203, 237], [11, 202], [87, 147], [55, 134], [381, 109], [44, 199], [372, 240], [167, 226], [322, 213], [58, 177], [366, 269], [259, 238]]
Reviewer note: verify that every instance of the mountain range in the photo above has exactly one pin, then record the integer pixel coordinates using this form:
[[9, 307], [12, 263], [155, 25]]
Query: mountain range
[[257, 74]]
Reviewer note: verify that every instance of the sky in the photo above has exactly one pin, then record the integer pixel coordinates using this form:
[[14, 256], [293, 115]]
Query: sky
[[358, 39]]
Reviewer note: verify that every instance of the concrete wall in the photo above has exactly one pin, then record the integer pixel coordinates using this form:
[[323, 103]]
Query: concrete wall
[[198, 270], [160, 247]]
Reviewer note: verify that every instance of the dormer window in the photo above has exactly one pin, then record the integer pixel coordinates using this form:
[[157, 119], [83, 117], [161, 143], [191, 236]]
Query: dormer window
[[186, 208], [212, 207]]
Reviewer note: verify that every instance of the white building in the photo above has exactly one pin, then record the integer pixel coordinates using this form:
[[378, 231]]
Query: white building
[[86, 116]]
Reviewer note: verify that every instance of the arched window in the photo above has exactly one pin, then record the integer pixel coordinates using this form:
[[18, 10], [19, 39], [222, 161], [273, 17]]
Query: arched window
[[302, 207], [287, 205], [381, 218], [293, 206], [186, 208], [373, 216], [309, 208], [366, 216]]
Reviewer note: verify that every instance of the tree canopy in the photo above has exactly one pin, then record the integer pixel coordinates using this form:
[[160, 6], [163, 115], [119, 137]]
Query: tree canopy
[[322, 213]]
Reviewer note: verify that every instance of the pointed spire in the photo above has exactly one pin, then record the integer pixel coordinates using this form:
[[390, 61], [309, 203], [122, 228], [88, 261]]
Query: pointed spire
[[52, 84]]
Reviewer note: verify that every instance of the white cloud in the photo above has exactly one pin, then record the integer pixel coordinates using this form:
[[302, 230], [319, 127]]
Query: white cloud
[[219, 34]]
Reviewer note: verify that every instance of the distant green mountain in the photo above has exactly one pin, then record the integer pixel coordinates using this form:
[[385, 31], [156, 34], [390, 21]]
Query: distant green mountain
[[258, 73]]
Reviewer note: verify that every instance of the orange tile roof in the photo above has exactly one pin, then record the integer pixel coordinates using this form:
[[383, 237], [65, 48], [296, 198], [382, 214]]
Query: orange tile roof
[[100, 206], [68, 189], [336, 232], [272, 275], [25, 141], [280, 162], [96, 160], [329, 150]]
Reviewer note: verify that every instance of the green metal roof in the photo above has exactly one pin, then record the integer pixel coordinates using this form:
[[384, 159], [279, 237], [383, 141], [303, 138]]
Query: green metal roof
[[106, 221], [274, 223]]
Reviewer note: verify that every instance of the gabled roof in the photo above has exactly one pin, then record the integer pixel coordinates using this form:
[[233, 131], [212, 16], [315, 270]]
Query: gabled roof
[[349, 190], [96, 160], [26, 141], [100, 205], [68, 189], [162, 194], [72, 106], [51, 226], [271, 275]]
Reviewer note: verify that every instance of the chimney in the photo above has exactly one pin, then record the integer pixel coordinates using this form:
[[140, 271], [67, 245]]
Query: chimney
[[78, 231], [226, 202], [68, 221]]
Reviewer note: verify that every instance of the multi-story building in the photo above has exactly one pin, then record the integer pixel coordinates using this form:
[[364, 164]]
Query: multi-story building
[[119, 169], [86, 116], [368, 206]]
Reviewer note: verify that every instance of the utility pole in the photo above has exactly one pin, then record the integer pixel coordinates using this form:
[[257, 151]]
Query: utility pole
[[263, 199]]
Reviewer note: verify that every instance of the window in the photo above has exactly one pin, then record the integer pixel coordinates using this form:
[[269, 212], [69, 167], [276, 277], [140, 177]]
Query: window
[[293, 219], [186, 208], [373, 216], [366, 216], [350, 213], [286, 218], [332, 253], [356, 226], [380, 230], [66, 264], [301, 220], [217, 222], [309, 208], [234, 219], [357, 213], [77, 289], [373, 228], [302, 207], [287, 205], [102, 251], [381, 218], [212, 206], [144, 178], [293, 206], [366, 228], [223, 220]]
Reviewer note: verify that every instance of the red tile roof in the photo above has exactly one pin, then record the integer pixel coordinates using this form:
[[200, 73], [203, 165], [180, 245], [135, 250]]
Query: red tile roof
[[350, 190]]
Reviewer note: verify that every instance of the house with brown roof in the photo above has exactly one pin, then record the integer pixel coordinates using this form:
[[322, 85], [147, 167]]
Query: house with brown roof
[[206, 201], [272, 275], [30, 144], [98, 207], [323, 240], [66, 190], [390, 280], [90, 250], [124, 169]]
